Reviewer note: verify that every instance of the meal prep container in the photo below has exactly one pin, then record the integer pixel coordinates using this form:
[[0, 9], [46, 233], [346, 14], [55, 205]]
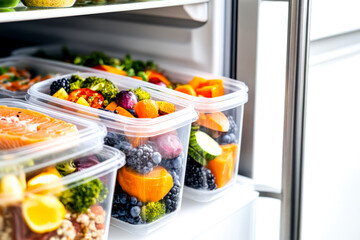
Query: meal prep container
[[36, 202], [89, 139], [223, 170], [151, 186], [37, 66]]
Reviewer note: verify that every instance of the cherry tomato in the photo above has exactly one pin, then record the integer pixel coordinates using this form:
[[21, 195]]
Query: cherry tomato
[[94, 98]]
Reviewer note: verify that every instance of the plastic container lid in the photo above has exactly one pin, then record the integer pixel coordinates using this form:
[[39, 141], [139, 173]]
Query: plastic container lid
[[89, 139], [37, 66], [139, 127]]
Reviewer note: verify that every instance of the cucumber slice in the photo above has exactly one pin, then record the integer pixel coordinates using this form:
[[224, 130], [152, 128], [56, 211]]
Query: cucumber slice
[[205, 145], [196, 156]]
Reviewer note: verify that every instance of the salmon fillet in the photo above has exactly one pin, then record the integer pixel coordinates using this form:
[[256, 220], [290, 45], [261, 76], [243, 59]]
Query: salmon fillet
[[20, 127]]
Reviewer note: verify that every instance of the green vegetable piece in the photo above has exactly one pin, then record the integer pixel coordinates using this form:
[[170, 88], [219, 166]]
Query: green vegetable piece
[[131, 72], [75, 82], [105, 87], [128, 62], [4, 70], [204, 145], [80, 198], [143, 75], [152, 211], [141, 94], [66, 168]]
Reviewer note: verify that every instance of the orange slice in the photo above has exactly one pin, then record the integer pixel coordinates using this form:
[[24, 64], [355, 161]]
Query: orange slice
[[45, 179]]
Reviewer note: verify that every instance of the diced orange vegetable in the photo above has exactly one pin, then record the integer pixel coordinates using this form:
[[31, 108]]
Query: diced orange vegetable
[[216, 121], [146, 109], [211, 82], [217, 91], [112, 106], [123, 112], [165, 107], [111, 69], [153, 76], [151, 187], [224, 165], [137, 77], [205, 91], [196, 82], [187, 89], [137, 141]]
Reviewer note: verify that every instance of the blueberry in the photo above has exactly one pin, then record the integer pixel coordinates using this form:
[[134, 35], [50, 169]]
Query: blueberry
[[177, 162], [135, 211], [123, 198], [133, 200], [156, 157], [132, 111]]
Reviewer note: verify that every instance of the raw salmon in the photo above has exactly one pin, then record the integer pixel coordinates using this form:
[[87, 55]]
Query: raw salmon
[[20, 127]]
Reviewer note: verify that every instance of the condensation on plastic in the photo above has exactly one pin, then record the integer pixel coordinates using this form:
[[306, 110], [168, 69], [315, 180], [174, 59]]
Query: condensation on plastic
[[111, 160], [36, 66], [89, 139], [137, 127]]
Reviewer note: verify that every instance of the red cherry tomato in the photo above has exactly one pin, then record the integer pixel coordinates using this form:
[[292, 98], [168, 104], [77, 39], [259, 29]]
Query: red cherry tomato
[[94, 98]]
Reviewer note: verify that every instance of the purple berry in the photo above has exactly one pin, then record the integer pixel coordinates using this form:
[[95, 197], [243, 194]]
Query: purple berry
[[86, 162], [126, 99]]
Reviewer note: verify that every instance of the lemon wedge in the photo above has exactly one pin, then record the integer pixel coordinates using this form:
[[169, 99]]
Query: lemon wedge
[[45, 183], [11, 189], [43, 213]]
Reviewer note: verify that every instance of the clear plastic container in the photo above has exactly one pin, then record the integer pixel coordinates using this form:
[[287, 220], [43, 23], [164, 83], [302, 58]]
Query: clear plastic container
[[221, 118], [155, 150], [88, 139], [68, 200], [36, 66]]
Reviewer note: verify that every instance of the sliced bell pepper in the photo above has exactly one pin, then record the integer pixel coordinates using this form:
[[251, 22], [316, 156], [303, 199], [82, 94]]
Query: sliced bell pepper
[[94, 98], [155, 77]]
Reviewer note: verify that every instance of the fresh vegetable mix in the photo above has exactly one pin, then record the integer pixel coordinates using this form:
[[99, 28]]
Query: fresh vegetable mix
[[149, 185], [213, 145], [203, 88], [102, 94], [14, 79], [41, 206]]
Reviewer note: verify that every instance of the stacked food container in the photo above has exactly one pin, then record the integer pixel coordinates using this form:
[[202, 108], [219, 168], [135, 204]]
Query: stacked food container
[[56, 179], [149, 188], [159, 150]]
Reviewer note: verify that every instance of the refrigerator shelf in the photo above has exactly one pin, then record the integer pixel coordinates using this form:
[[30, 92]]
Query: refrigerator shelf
[[22, 13]]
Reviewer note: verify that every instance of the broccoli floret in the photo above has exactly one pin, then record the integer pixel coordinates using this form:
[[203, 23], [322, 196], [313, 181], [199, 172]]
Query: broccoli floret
[[66, 168], [80, 198], [95, 59], [105, 87], [75, 82], [141, 94], [152, 211]]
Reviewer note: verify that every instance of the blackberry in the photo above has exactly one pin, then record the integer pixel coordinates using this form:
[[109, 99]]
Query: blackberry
[[61, 83], [126, 208], [172, 198], [143, 158], [113, 139], [198, 177]]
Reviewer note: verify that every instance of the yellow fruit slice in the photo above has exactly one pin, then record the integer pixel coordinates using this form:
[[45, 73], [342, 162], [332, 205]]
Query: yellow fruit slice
[[45, 179], [62, 94], [11, 189], [43, 213]]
